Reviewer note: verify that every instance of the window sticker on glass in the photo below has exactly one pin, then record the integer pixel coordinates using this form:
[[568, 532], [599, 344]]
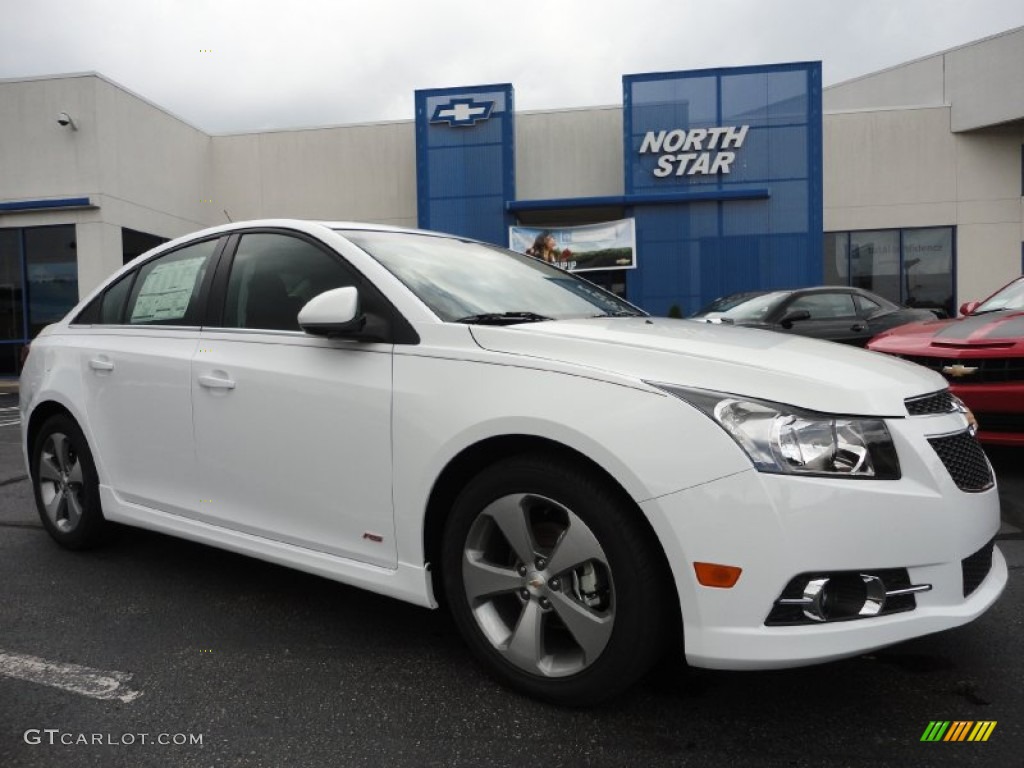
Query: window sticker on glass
[[167, 290]]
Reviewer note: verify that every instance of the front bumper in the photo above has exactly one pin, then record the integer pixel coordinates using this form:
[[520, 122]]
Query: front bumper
[[775, 527]]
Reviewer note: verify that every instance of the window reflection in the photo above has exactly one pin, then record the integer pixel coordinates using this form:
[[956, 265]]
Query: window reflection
[[910, 266], [51, 259]]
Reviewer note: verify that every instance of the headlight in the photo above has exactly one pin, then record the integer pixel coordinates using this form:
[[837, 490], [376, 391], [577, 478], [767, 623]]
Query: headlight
[[786, 440]]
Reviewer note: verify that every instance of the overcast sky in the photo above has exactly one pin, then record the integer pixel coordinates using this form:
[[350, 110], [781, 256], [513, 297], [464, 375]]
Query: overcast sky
[[322, 62]]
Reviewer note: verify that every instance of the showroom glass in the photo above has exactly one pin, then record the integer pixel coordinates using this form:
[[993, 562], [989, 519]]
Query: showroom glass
[[912, 266], [824, 306], [459, 279], [875, 262], [837, 258], [51, 261], [11, 307], [1011, 297], [272, 278], [166, 286]]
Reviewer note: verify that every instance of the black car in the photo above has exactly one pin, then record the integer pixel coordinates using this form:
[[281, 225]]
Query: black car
[[847, 315]]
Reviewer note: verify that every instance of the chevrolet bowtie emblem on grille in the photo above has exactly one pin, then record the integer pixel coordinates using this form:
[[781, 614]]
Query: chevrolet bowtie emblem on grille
[[957, 371], [461, 112]]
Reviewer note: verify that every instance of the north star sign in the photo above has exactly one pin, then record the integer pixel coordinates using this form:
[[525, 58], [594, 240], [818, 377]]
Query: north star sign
[[458, 112], [696, 152]]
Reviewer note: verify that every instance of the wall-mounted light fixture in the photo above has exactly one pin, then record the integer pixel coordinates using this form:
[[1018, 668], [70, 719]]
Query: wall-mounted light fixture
[[64, 120]]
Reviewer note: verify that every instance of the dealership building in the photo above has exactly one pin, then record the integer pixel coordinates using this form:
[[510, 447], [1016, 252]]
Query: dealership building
[[908, 182]]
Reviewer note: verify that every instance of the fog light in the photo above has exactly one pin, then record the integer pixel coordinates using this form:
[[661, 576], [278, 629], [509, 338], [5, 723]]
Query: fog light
[[843, 596]]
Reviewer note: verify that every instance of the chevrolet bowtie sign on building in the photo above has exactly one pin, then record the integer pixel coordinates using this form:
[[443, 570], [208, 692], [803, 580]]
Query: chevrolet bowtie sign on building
[[462, 112]]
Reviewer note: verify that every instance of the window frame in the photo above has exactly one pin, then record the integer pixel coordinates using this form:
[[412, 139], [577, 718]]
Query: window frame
[[400, 330], [91, 314]]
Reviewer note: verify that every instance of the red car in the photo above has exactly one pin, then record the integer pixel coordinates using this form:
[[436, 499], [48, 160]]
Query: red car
[[980, 353]]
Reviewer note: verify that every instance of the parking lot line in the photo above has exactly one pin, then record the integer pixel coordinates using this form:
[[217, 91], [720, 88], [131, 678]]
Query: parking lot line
[[94, 683]]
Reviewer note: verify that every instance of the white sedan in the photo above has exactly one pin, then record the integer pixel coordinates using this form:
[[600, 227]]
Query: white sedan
[[583, 485]]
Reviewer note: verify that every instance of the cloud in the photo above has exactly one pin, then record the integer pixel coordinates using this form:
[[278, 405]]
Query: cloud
[[320, 62]]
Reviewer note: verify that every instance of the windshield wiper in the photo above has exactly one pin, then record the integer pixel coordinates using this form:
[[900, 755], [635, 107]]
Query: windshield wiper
[[503, 318]]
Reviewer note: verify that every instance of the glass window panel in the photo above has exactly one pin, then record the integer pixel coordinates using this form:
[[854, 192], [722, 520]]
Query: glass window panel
[[112, 305], [866, 306], [166, 286], [824, 306], [12, 321], [874, 262], [272, 278], [837, 258], [928, 268], [51, 257]]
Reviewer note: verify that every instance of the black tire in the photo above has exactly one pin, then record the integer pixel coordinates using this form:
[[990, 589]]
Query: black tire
[[626, 579], [66, 486]]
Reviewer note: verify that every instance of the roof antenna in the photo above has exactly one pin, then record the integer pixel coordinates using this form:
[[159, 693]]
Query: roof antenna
[[228, 215]]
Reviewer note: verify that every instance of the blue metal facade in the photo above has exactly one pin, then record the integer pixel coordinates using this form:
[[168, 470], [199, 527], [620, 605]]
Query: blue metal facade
[[689, 253], [465, 160]]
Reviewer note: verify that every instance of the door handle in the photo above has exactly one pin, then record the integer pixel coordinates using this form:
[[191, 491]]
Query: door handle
[[215, 382], [101, 364], [858, 327]]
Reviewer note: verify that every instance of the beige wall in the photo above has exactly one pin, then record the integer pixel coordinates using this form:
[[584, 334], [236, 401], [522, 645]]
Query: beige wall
[[354, 173], [905, 168], [575, 153], [142, 167]]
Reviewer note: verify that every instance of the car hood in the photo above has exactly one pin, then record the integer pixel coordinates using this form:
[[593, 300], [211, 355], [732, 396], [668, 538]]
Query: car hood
[[812, 374], [1003, 330]]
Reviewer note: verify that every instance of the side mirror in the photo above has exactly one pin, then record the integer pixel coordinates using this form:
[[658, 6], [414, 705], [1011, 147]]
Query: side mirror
[[333, 313], [968, 307], [793, 317]]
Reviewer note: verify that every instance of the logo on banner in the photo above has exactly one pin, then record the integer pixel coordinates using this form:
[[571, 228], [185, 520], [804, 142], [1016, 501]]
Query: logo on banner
[[462, 112]]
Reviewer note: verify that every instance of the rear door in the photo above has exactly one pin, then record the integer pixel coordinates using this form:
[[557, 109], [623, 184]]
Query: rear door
[[135, 364], [293, 431]]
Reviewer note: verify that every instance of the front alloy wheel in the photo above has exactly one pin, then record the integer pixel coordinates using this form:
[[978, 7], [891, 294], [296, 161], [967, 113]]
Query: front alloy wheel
[[554, 581], [539, 586]]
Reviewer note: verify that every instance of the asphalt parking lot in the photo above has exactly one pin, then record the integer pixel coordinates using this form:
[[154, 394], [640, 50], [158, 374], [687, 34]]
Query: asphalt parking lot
[[271, 667]]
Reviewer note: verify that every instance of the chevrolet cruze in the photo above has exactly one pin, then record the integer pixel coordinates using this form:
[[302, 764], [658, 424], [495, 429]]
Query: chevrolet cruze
[[446, 422]]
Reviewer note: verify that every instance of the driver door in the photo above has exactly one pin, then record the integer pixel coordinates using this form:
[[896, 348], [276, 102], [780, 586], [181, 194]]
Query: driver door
[[292, 431]]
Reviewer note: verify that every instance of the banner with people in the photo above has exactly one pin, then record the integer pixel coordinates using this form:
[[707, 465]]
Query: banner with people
[[586, 248]]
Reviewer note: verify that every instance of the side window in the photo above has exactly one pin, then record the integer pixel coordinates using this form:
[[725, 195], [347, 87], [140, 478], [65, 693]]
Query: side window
[[866, 306], [113, 300], [167, 287], [273, 276], [825, 306]]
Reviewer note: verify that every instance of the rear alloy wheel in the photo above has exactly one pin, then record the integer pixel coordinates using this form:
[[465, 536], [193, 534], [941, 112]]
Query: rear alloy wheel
[[552, 581], [66, 485]]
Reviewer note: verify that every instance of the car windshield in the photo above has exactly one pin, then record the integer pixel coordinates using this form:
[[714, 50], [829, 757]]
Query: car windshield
[[1011, 297], [724, 303], [755, 309], [472, 282]]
